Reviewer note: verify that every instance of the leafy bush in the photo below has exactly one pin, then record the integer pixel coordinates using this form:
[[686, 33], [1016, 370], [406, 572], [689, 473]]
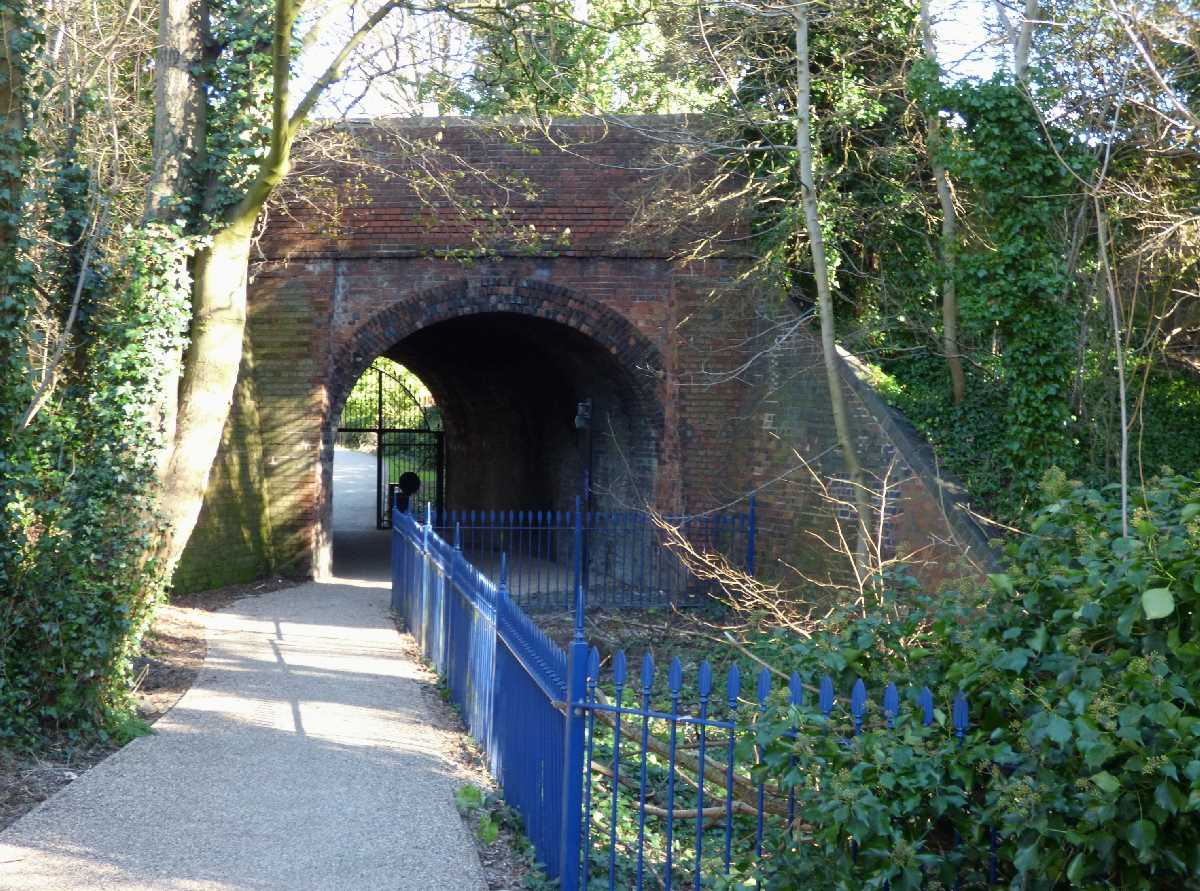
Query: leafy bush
[[77, 514], [1170, 417], [965, 437], [1083, 751]]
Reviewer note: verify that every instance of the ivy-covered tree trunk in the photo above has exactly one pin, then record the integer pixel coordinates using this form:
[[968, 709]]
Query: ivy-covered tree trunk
[[1015, 269], [179, 110], [15, 36], [177, 158], [182, 186]]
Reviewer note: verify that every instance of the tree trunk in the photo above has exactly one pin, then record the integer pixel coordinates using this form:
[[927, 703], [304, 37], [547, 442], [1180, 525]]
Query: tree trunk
[[208, 368], [1119, 350], [1024, 40], [949, 245], [949, 241], [1019, 38], [177, 155], [179, 109], [207, 383], [213, 357], [816, 239]]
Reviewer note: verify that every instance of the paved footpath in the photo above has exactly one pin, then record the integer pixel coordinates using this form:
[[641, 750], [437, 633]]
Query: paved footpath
[[301, 759]]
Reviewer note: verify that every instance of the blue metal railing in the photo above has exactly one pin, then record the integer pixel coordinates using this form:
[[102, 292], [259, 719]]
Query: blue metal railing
[[628, 564], [504, 674], [584, 767]]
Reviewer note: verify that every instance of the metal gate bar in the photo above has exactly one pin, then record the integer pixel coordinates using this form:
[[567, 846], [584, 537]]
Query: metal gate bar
[[405, 442]]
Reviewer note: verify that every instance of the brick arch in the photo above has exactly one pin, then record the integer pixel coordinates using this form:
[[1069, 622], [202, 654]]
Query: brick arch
[[632, 351], [636, 360], [320, 299]]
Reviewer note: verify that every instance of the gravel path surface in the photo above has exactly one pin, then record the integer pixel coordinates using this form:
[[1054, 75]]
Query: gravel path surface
[[302, 758]]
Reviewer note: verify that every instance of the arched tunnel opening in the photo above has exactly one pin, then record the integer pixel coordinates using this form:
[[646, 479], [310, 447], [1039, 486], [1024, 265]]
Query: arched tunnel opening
[[507, 389]]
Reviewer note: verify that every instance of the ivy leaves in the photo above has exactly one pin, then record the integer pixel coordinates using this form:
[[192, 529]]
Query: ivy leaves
[[78, 510], [239, 77], [1016, 176], [1012, 279]]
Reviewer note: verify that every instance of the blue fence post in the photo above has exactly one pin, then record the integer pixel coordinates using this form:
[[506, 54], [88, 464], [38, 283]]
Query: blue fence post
[[397, 563], [573, 739], [423, 596], [431, 624], [751, 530]]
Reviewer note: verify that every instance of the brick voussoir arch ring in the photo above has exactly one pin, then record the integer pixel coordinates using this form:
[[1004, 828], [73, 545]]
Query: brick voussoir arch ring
[[639, 359]]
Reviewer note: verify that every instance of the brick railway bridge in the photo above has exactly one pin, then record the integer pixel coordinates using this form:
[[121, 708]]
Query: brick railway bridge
[[510, 331]]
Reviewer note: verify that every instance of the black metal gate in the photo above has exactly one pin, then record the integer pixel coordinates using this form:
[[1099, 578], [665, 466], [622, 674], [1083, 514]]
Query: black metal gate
[[421, 452], [383, 414]]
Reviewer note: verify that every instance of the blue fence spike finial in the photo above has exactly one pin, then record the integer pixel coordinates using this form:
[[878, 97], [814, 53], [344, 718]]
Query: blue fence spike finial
[[763, 689], [733, 685], [925, 700], [647, 672], [675, 676], [858, 704], [959, 713], [795, 689], [826, 696], [619, 668], [891, 704], [705, 680], [594, 665]]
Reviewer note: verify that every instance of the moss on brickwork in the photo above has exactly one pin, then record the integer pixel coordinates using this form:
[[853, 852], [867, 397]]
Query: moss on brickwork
[[225, 549]]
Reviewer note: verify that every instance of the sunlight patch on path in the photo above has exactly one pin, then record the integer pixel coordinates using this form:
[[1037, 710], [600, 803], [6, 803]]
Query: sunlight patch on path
[[301, 759]]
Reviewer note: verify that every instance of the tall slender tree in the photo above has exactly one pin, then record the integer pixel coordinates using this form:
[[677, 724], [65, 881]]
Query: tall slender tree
[[949, 224]]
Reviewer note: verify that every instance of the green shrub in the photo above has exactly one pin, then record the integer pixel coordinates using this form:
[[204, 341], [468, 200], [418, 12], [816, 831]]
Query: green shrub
[[77, 590], [1083, 751], [1170, 417], [966, 437]]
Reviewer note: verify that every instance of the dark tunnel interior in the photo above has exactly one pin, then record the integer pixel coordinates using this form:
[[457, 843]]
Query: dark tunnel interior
[[508, 386]]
